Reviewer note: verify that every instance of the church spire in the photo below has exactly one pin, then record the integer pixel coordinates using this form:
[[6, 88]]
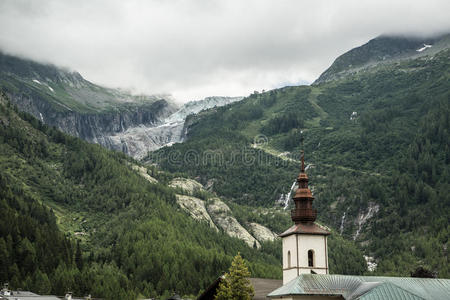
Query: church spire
[[305, 247], [303, 198]]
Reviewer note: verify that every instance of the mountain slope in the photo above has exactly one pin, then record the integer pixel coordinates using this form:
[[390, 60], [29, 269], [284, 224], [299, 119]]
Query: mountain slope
[[64, 89], [76, 106], [135, 238], [383, 50], [110, 117], [376, 142]]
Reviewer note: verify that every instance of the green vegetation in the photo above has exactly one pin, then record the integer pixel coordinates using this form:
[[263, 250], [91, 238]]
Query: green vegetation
[[236, 283], [380, 176], [79, 218], [62, 90], [383, 49], [134, 237]]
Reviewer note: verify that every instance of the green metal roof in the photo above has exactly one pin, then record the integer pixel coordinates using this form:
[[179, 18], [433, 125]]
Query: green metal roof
[[388, 291], [366, 287]]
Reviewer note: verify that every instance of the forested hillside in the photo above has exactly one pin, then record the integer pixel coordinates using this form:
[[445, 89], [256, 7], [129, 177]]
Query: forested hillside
[[78, 217], [135, 238], [377, 141], [377, 149]]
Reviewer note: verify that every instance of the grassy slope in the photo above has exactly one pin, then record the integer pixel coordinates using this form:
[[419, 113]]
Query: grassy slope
[[357, 162]]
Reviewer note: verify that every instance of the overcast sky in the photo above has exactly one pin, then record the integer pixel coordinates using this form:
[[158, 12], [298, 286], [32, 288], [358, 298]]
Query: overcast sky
[[194, 49]]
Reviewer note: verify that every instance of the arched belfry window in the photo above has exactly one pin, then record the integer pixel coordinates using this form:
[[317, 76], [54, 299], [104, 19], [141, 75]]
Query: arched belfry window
[[289, 259], [310, 258]]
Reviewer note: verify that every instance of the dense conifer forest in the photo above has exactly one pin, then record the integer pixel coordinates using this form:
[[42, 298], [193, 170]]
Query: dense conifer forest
[[78, 217], [134, 241]]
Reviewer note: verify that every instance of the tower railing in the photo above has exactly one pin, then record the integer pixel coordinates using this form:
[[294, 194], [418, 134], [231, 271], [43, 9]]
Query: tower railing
[[303, 215]]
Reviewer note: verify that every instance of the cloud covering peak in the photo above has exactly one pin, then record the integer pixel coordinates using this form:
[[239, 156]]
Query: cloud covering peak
[[194, 49]]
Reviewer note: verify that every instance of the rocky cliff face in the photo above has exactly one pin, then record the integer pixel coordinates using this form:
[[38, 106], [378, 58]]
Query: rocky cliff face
[[110, 117], [222, 216], [107, 128], [261, 233], [133, 128], [196, 209], [114, 118], [94, 126], [217, 214]]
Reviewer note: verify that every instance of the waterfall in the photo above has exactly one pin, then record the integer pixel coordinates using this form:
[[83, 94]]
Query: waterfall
[[341, 228], [287, 197]]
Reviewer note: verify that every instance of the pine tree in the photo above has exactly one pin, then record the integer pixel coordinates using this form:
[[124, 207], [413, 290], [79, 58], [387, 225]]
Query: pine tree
[[41, 284], [236, 284]]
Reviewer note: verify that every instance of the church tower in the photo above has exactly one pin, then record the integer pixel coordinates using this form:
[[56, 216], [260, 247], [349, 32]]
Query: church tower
[[305, 243]]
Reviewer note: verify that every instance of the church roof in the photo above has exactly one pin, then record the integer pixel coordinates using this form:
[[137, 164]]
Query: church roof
[[263, 286], [305, 228], [366, 287]]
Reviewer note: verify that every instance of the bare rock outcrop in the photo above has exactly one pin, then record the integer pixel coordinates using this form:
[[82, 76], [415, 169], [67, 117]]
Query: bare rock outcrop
[[143, 172], [261, 233], [196, 208], [186, 184], [221, 215]]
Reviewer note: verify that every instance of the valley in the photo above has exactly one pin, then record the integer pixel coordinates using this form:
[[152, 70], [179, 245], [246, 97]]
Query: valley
[[179, 190]]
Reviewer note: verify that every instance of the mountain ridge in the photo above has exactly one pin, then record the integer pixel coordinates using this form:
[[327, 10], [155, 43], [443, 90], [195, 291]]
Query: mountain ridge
[[384, 49], [114, 118]]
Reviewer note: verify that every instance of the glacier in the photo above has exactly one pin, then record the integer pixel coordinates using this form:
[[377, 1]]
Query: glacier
[[138, 141]]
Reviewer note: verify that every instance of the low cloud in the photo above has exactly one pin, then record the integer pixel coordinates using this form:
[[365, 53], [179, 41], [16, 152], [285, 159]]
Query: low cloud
[[194, 49]]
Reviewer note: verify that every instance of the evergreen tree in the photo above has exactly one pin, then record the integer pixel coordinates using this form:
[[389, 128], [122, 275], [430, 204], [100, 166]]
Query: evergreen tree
[[236, 284], [79, 257], [40, 283]]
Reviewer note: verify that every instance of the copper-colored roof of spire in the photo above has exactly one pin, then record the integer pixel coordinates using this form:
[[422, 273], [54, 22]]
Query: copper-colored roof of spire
[[303, 198], [307, 228]]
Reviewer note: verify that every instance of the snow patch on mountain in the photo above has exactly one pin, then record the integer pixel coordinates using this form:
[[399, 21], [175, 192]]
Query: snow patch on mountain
[[425, 46]]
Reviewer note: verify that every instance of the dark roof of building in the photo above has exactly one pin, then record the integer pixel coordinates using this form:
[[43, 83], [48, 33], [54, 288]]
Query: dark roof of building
[[210, 291], [305, 228], [263, 286], [366, 287]]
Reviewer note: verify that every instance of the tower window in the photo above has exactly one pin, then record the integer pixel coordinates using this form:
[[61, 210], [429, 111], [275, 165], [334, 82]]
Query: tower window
[[289, 259], [310, 258]]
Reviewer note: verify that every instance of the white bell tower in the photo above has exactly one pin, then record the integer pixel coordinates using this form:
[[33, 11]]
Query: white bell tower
[[305, 243]]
